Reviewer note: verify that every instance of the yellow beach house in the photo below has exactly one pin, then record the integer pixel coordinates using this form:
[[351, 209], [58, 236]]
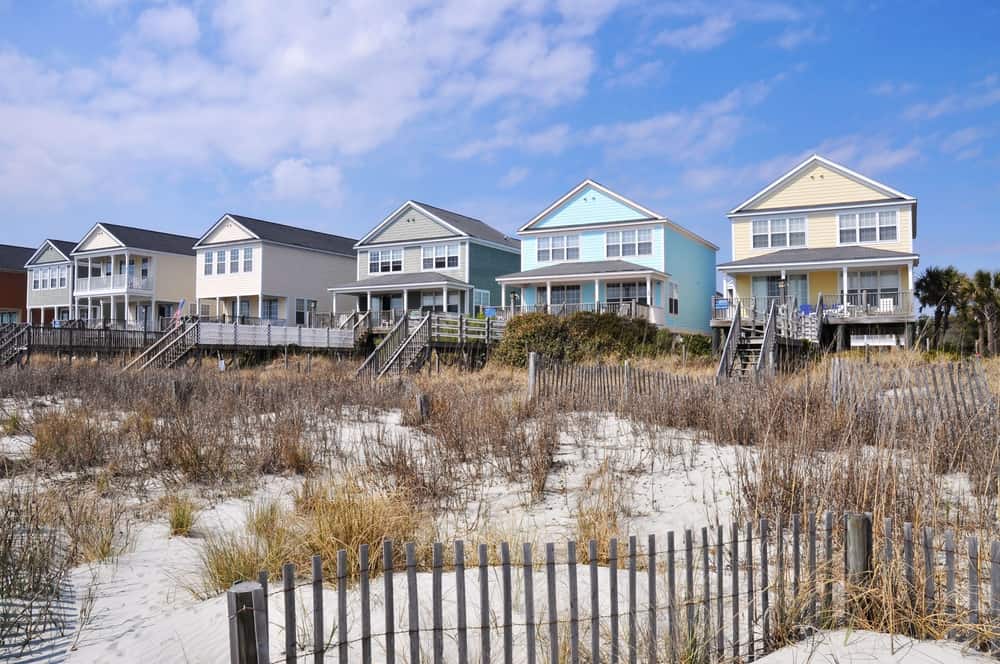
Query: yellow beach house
[[830, 243]]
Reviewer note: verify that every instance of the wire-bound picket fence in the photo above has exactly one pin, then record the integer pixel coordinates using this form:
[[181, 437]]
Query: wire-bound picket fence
[[722, 594]]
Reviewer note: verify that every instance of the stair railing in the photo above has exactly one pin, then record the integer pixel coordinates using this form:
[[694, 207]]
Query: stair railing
[[15, 341], [729, 349], [372, 366], [765, 361], [418, 339], [181, 335], [819, 319], [154, 347]]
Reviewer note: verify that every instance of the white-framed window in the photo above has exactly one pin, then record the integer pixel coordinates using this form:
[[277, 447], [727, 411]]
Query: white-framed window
[[220, 262], [54, 278], [234, 261], [857, 227], [269, 309], [35, 277], [63, 275], [673, 298], [480, 298], [637, 242], [627, 292], [566, 294], [558, 248], [248, 259], [208, 263], [386, 260], [779, 232], [205, 310], [439, 257]]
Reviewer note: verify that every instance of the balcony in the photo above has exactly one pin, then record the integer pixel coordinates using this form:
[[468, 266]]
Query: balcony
[[112, 284], [887, 306]]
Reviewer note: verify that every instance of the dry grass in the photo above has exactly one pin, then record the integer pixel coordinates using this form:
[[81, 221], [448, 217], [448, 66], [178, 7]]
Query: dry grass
[[70, 439], [600, 513], [182, 512]]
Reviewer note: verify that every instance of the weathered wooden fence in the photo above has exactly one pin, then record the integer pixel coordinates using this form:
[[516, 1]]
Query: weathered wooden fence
[[611, 384], [715, 594]]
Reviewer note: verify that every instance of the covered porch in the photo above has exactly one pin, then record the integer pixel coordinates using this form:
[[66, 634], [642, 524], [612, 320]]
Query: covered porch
[[141, 312], [615, 287], [391, 296], [248, 309]]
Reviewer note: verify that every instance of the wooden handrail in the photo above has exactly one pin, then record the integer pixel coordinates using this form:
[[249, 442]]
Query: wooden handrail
[[729, 349]]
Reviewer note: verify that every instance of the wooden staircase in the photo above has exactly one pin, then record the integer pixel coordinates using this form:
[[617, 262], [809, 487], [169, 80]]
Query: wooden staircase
[[748, 352], [168, 349], [749, 349], [402, 348], [14, 340]]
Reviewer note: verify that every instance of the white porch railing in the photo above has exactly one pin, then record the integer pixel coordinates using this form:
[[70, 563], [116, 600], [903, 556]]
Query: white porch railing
[[112, 283]]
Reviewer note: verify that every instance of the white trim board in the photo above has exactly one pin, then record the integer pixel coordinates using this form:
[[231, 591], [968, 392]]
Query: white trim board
[[833, 207], [817, 265], [41, 250], [402, 207], [583, 275]]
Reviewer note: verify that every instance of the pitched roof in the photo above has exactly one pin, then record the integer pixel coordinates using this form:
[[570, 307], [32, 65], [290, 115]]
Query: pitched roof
[[572, 268], [821, 255], [142, 238], [270, 231], [64, 247], [471, 227], [843, 170], [13, 257], [401, 279]]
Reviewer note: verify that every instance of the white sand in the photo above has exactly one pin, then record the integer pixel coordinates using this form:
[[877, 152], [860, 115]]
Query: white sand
[[843, 647]]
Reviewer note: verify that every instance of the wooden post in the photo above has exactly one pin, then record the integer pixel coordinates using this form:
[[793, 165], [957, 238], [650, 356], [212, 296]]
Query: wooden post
[[858, 557], [248, 638], [364, 584], [463, 643], [973, 544], [390, 613], [423, 407], [574, 605], [532, 369], [550, 583], [508, 607], [484, 604], [288, 591], [413, 613]]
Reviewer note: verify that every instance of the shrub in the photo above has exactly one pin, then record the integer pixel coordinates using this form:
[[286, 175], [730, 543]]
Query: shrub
[[69, 440], [536, 332]]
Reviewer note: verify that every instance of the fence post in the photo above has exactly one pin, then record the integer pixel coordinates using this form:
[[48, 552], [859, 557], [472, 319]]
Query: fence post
[[248, 640], [532, 369], [858, 554]]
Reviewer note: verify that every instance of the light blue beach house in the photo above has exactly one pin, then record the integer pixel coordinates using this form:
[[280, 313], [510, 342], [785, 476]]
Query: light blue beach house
[[595, 250]]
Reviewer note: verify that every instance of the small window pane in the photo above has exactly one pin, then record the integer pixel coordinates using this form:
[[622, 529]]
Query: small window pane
[[543, 255], [572, 253], [248, 259], [572, 240]]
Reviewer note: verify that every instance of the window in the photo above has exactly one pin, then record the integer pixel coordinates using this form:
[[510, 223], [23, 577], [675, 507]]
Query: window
[[887, 226], [868, 227], [558, 248], [248, 259], [244, 308], [627, 292], [208, 263], [35, 274], [144, 268], [234, 261], [8, 317], [673, 298], [566, 294], [629, 243], [63, 274], [387, 260], [873, 288], [205, 310], [439, 257], [220, 262], [480, 298], [304, 311], [780, 232], [269, 309]]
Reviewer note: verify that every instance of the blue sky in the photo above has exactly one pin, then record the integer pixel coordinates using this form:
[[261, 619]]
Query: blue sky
[[329, 115]]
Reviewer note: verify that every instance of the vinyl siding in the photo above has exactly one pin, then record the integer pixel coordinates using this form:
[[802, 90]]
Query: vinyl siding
[[50, 255], [174, 278], [692, 266], [410, 224], [819, 186], [822, 230], [228, 284], [49, 297], [228, 231], [413, 261], [589, 206], [99, 240], [292, 273], [488, 263], [593, 247]]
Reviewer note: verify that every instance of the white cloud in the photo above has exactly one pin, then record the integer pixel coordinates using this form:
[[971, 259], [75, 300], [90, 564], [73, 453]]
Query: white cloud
[[980, 95], [870, 155], [629, 75], [792, 38], [300, 180], [168, 26], [515, 175], [696, 133], [508, 136], [709, 33], [893, 88], [257, 83], [965, 143]]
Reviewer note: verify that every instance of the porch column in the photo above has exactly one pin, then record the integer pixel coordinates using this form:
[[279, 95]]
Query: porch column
[[406, 299], [503, 295], [597, 296], [444, 307], [152, 318], [236, 313], [548, 293], [112, 303], [260, 304], [217, 313], [126, 296], [843, 287], [649, 294], [369, 302], [333, 308], [909, 275], [465, 302]]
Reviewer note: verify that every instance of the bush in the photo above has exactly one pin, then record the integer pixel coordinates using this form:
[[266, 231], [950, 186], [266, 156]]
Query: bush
[[69, 440], [537, 332]]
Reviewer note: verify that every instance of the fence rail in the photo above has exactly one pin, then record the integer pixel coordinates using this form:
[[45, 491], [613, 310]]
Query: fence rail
[[729, 593]]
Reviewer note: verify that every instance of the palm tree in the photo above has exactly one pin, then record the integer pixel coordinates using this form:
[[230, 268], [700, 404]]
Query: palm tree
[[939, 288], [981, 294]]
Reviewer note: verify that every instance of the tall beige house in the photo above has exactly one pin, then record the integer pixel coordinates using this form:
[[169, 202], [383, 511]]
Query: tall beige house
[[835, 242]]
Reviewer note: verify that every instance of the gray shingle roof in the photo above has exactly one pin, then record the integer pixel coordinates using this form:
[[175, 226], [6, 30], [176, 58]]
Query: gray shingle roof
[[402, 279], [571, 268], [299, 237], [13, 258], [65, 246], [823, 254], [141, 238], [473, 227]]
